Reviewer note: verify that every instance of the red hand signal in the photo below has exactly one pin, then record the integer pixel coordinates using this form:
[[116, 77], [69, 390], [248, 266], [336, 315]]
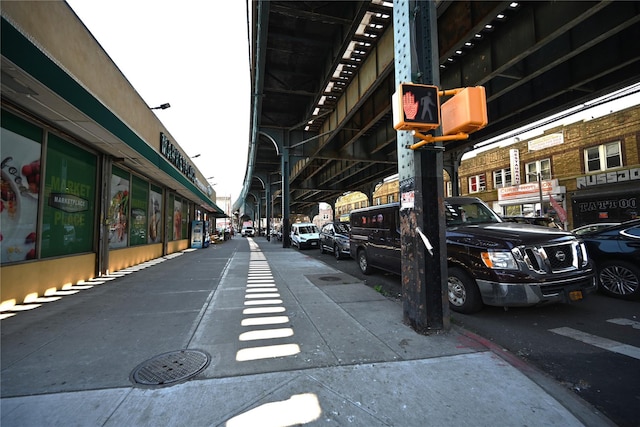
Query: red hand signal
[[409, 105]]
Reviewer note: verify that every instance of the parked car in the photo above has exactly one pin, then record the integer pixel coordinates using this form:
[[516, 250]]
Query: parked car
[[489, 261], [615, 250], [247, 231], [304, 235], [543, 221], [334, 237], [592, 227], [276, 234]]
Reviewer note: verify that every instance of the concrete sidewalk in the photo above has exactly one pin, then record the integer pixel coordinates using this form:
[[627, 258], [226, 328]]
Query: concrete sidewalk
[[288, 339]]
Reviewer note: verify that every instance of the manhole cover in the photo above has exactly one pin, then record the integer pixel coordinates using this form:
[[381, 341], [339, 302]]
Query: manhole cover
[[170, 368], [329, 278]]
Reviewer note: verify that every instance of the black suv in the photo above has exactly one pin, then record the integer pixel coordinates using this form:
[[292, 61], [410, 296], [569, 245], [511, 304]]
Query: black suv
[[489, 261]]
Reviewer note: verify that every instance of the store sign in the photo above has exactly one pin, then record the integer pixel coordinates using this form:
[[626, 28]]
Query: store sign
[[608, 204], [514, 160], [68, 202], [171, 153], [527, 190], [546, 141], [608, 178]]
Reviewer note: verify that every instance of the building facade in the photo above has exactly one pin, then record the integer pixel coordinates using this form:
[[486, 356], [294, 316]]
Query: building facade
[[581, 173], [92, 182]]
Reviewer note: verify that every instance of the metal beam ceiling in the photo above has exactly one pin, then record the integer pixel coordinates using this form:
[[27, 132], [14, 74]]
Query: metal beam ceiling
[[534, 58]]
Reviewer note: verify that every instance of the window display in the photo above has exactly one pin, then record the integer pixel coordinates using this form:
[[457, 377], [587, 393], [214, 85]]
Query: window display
[[20, 188], [69, 194]]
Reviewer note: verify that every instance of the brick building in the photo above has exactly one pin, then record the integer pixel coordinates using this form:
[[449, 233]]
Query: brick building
[[580, 173], [589, 170]]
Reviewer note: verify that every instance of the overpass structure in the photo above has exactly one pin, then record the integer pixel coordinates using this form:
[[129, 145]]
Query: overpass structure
[[323, 80]]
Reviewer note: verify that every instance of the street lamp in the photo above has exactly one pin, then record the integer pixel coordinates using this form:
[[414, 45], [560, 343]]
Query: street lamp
[[161, 107]]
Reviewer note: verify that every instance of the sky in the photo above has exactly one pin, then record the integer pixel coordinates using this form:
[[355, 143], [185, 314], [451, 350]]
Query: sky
[[194, 55]]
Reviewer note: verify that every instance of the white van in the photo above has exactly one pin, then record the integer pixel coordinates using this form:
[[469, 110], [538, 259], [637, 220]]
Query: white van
[[305, 235]]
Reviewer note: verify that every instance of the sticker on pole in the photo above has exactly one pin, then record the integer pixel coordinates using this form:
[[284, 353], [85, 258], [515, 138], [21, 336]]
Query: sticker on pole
[[407, 200]]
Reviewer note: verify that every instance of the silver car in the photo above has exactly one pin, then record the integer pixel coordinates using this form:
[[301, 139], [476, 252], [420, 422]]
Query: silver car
[[334, 237]]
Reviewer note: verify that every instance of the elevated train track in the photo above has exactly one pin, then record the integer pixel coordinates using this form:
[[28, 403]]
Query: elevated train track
[[323, 77]]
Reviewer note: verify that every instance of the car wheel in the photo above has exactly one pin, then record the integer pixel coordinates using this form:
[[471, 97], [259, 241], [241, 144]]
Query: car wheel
[[322, 251], [363, 262], [464, 295], [336, 252], [619, 279]]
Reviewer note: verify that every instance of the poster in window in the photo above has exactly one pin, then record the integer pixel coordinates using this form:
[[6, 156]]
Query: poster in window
[[155, 215], [119, 210], [20, 187], [177, 219]]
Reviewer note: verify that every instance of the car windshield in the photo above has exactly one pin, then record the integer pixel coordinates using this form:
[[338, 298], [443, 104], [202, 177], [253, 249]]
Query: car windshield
[[308, 229], [469, 213], [342, 228]]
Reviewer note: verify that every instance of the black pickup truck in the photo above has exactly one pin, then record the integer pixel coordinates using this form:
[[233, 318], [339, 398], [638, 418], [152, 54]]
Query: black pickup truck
[[489, 261]]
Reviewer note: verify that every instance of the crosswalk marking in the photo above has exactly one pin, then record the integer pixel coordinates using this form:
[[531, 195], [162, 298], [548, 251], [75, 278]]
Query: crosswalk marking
[[625, 322], [604, 343]]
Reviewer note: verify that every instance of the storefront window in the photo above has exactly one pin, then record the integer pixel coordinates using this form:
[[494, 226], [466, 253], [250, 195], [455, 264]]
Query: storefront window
[[119, 209], [184, 219], [69, 194], [20, 152], [139, 207], [155, 214], [612, 208], [169, 218], [177, 219]]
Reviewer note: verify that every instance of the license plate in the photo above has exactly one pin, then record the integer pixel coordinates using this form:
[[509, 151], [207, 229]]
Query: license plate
[[314, 244], [575, 295]]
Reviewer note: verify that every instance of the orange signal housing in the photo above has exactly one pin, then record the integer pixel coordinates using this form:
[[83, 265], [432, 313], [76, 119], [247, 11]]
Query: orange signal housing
[[465, 112]]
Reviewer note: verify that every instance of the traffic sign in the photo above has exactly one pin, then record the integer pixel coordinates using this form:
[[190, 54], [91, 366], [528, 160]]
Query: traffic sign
[[416, 107]]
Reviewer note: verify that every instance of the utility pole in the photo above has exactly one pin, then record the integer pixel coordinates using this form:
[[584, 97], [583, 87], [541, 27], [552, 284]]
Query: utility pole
[[424, 269]]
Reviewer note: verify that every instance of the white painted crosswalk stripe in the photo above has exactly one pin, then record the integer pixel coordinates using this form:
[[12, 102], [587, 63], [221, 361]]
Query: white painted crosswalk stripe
[[594, 340], [625, 322]]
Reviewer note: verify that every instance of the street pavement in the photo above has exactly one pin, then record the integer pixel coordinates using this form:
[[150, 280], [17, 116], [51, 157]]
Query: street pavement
[[247, 333]]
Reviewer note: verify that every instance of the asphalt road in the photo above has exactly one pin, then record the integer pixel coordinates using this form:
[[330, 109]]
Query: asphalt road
[[591, 347]]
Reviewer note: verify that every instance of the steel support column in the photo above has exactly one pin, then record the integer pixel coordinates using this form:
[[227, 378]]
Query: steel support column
[[286, 209], [268, 207], [421, 177]]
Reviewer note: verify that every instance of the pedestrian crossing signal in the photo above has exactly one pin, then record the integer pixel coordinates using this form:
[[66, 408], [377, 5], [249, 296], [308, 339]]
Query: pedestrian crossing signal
[[416, 107]]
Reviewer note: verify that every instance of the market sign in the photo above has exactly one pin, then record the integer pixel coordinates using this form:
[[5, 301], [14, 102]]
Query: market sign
[[171, 153], [68, 202]]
